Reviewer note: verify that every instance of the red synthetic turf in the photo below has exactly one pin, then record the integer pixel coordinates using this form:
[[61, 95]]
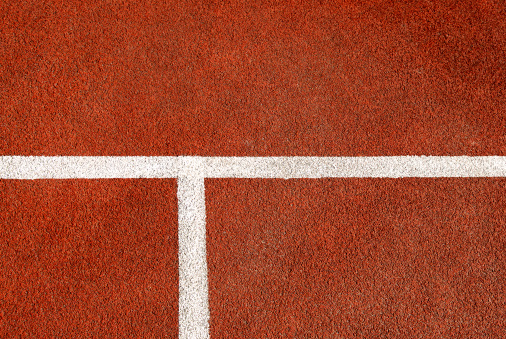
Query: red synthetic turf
[[253, 78], [357, 258], [88, 258]]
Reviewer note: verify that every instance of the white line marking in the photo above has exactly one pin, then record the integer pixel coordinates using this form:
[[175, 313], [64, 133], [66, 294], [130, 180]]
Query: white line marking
[[193, 285], [191, 171], [362, 167], [19, 167]]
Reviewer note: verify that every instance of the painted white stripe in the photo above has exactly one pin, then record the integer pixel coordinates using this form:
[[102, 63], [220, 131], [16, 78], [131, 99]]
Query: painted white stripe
[[193, 285], [191, 171], [31, 167], [342, 167], [19, 167]]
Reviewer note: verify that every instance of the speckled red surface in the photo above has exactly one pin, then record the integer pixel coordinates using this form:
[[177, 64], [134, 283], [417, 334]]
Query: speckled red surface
[[253, 78], [308, 258], [357, 258], [88, 259]]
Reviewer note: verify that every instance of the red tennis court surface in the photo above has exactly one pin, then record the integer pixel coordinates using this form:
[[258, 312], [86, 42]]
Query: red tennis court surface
[[88, 258], [357, 258], [298, 258], [247, 78]]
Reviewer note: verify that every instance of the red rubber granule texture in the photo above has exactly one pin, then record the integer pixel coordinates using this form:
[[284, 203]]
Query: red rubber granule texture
[[357, 258], [248, 78], [88, 259]]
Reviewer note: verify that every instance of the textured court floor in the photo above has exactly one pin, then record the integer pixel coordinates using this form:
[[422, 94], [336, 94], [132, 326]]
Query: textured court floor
[[349, 248]]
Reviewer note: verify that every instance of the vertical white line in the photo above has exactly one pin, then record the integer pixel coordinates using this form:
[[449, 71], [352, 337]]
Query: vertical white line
[[193, 290]]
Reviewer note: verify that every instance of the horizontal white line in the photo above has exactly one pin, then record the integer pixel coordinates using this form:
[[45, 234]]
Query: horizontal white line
[[65, 167], [31, 167], [362, 167]]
